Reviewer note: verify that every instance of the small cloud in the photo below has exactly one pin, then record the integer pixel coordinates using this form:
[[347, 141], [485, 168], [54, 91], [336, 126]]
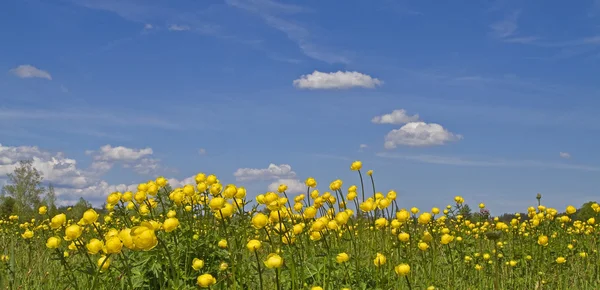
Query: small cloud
[[175, 27], [336, 80], [148, 26], [507, 26], [396, 117], [362, 147], [202, 151], [293, 185], [64, 89], [565, 155], [419, 134], [283, 171], [29, 71]]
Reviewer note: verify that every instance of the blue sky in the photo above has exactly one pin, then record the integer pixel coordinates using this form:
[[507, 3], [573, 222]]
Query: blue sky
[[486, 95]]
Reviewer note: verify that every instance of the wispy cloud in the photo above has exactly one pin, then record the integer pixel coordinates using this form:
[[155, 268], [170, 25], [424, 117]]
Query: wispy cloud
[[461, 161], [175, 27], [86, 114], [507, 29], [26, 71], [277, 15]]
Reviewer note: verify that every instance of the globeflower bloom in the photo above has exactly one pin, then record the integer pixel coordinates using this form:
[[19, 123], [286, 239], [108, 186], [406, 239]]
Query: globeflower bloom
[[274, 261], [206, 280], [53, 242], [89, 217], [379, 260], [402, 269], [253, 245], [341, 258], [197, 264], [170, 224], [356, 165], [58, 221]]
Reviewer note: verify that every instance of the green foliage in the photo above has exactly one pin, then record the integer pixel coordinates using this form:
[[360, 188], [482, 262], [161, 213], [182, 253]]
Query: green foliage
[[25, 187], [585, 211]]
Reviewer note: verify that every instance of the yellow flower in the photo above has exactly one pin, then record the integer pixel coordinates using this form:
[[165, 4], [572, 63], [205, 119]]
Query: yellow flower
[[571, 210], [423, 246], [273, 261], [414, 210], [591, 221], [379, 260], [223, 266], [94, 246], [402, 269], [542, 240], [42, 210], [446, 239], [170, 224], [58, 221], [89, 217], [72, 232], [402, 215], [282, 188], [103, 263], [311, 182], [143, 237], [341, 258], [27, 234], [253, 245], [512, 263], [53, 242], [222, 244], [113, 245], [217, 203], [206, 280], [403, 237], [424, 218], [482, 205], [560, 260], [458, 199], [370, 172], [316, 288], [356, 165], [197, 264]]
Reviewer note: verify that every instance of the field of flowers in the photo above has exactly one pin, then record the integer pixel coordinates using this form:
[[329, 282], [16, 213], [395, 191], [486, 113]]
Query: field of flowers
[[209, 235]]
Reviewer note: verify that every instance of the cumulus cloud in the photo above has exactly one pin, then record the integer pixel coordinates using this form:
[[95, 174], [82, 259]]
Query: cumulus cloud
[[419, 134], [202, 151], [175, 27], [138, 160], [148, 26], [120, 153], [28, 71], [395, 117], [283, 171], [336, 80], [56, 168], [565, 155], [294, 185]]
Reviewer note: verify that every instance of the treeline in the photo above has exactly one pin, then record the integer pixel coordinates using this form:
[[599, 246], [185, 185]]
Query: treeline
[[24, 193]]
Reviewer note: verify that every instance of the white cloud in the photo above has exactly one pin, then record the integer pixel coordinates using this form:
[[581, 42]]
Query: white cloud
[[294, 185], [282, 171], [507, 30], [565, 155], [56, 168], [336, 80], [396, 117], [419, 134], [362, 147], [121, 153], [29, 71], [148, 26], [461, 161], [136, 159], [202, 151], [175, 27]]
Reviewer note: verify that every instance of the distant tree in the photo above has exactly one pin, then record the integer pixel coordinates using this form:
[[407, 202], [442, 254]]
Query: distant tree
[[7, 206], [79, 208], [585, 211], [50, 199], [24, 186], [465, 211]]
